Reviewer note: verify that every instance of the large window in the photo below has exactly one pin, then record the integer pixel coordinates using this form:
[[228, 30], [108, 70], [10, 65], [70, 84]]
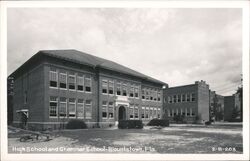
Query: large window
[[53, 106], [175, 99], [143, 112], [193, 97], [131, 91], [124, 89], [183, 98], [147, 113], [111, 110], [158, 96], [178, 98], [63, 80], [118, 88], [80, 108], [151, 94], [88, 109], [88, 84], [104, 109], [104, 86], [72, 107], [131, 112], [53, 77], [169, 99], [136, 112], [151, 113], [80, 82], [155, 95], [188, 97], [63, 107], [143, 94], [147, 94], [136, 91], [154, 113], [111, 87], [72, 82]]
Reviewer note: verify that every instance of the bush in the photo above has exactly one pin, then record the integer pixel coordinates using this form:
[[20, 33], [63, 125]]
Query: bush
[[76, 124], [179, 118], [208, 123], [159, 122], [130, 124]]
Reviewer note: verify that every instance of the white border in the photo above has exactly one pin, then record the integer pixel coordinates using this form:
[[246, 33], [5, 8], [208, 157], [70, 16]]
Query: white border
[[124, 4]]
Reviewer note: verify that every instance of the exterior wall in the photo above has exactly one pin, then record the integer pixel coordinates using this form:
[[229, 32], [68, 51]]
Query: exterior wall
[[30, 82], [183, 107], [229, 105], [203, 101]]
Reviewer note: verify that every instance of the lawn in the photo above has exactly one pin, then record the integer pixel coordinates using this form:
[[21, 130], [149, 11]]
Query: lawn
[[174, 139]]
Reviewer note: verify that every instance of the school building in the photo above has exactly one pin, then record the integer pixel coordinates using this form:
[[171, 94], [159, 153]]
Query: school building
[[54, 86]]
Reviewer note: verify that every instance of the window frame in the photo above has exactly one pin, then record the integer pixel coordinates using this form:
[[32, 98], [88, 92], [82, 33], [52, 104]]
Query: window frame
[[113, 110], [113, 87], [77, 107], [106, 109], [56, 101], [70, 75], [78, 84], [71, 103], [55, 72], [90, 105], [105, 86], [88, 78], [65, 74], [66, 107]]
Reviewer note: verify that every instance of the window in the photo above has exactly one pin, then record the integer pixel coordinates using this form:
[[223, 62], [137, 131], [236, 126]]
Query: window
[[179, 98], [193, 97], [136, 112], [136, 91], [87, 84], [155, 95], [88, 109], [183, 98], [147, 112], [72, 82], [143, 112], [111, 110], [63, 80], [159, 96], [175, 99], [192, 112], [151, 113], [72, 107], [124, 89], [168, 113], [104, 109], [151, 93], [63, 107], [53, 77], [118, 88], [104, 86], [80, 82], [131, 112], [159, 113], [169, 99], [131, 91], [111, 87], [143, 94], [80, 108], [154, 113], [188, 97], [147, 94], [53, 107]]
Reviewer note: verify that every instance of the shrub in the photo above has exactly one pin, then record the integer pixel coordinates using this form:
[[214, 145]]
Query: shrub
[[208, 123], [76, 124], [130, 124], [158, 122], [179, 118]]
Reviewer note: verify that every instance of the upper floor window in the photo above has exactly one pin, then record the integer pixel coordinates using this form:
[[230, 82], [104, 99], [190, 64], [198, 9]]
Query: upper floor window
[[136, 91], [88, 84], [188, 97], [155, 95], [124, 89], [53, 77], [104, 86], [159, 96], [72, 82], [80, 82], [183, 98], [175, 100], [143, 94], [193, 97], [118, 88], [131, 91], [169, 99], [63, 80], [111, 87], [151, 94], [178, 98], [147, 94]]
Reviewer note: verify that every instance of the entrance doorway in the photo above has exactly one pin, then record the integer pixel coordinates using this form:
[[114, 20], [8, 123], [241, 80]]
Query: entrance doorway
[[122, 113]]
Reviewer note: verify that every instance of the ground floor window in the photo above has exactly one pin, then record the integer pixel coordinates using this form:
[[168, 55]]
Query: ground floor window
[[143, 112], [159, 113], [131, 112], [136, 112], [155, 113], [88, 107], [111, 110], [53, 107], [104, 110], [147, 113], [80, 108], [63, 107], [72, 107]]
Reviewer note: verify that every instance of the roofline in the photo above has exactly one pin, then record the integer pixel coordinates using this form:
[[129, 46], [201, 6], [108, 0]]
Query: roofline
[[180, 86]]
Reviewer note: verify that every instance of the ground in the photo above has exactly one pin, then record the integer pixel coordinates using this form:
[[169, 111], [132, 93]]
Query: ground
[[216, 138]]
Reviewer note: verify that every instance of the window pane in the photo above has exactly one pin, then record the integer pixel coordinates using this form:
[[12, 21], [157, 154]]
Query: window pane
[[88, 107], [111, 110]]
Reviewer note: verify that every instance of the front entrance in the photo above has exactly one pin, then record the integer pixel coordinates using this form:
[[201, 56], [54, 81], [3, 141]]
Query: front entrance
[[122, 113]]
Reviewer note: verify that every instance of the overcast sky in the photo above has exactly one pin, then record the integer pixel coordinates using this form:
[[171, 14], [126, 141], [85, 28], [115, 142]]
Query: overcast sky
[[177, 46]]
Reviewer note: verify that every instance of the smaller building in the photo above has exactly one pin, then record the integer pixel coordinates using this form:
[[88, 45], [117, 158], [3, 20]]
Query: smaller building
[[232, 110], [189, 101], [216, 106]]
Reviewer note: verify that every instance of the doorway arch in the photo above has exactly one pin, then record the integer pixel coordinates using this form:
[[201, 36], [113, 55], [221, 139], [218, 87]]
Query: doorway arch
[[122, 113]]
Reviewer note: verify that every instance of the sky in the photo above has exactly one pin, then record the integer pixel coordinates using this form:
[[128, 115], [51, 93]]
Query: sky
[[176, 46]]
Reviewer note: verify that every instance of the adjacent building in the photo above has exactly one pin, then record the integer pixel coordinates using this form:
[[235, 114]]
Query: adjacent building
[[216, 106], [232, 110], [190, 101], [54, 86]]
